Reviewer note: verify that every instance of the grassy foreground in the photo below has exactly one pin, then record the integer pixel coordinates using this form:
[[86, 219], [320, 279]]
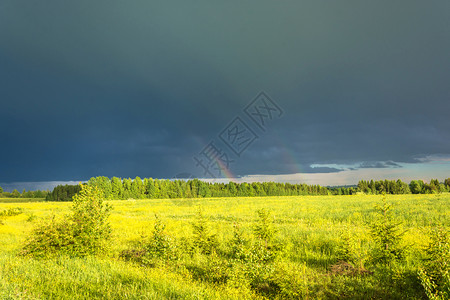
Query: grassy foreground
[[309, 228]]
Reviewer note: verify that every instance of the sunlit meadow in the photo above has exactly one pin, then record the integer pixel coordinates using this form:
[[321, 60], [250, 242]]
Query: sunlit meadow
[[309, 228]]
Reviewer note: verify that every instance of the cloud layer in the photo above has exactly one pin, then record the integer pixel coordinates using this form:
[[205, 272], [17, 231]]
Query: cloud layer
[[123, 89]]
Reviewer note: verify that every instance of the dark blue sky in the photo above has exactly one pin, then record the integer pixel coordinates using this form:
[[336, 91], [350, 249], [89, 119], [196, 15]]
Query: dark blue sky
[[120, 88]]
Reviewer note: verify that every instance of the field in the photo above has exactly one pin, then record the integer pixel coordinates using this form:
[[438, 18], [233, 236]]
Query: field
[[310, 235]]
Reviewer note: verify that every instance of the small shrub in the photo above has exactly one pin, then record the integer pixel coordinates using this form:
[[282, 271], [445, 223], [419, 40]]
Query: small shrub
[[86, 231], [261, 253], [31, 217], [265, 248], [203, 240], [239, 244], [264, 229], [212, 268], [292, 281], [152, 250], [51, 238], [387, 234], [435, 274], [238, 276], [261, 278], [14, 211], [257, 256], [351, 251], [90, 218], [161, 245]]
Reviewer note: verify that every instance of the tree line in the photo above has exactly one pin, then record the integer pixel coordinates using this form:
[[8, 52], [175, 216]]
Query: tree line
[[63, 193], [149, 188], [25, 194], [400, 187]]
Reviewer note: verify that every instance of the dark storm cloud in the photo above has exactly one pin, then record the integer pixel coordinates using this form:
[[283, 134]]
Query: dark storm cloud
[[138, 88]]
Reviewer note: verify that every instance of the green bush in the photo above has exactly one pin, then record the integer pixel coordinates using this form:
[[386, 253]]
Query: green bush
[[211, 268], [239, 244], [90, 221], [291, 281], [387, 235], [203, 240], [31, 217], [264, 228], [266, 248], [257, 256], [351, 250], [49, 239], [435, 274], [85, 232], [14, 211], [160, 245]]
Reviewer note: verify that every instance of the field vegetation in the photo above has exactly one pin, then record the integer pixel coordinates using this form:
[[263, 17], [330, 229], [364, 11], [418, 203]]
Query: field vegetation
[[283, 247]]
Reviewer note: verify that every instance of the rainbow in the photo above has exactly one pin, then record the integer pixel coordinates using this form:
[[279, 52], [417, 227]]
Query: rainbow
[[228, 175]]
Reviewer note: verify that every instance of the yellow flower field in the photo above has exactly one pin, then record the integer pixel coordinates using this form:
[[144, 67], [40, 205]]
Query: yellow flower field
[[309, 228]]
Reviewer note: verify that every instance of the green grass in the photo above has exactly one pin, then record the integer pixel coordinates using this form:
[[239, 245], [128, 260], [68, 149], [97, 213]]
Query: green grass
[[309, 227], [21, 200]]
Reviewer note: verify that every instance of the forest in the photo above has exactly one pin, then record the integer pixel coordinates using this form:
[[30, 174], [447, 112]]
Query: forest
[[149, 188]]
